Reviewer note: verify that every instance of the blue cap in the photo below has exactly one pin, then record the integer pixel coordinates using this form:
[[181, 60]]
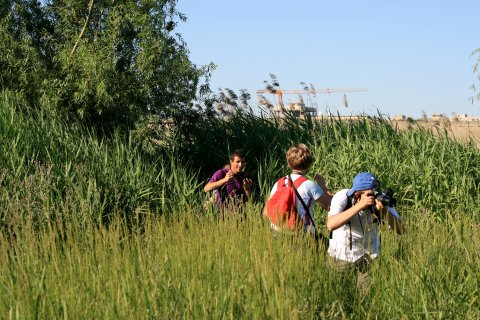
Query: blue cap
[[363, 181]]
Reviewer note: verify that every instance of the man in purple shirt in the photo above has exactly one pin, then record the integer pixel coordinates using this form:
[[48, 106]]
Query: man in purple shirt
[[231, 184]]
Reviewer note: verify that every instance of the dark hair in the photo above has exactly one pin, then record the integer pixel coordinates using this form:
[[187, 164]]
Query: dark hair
[[237, 153]]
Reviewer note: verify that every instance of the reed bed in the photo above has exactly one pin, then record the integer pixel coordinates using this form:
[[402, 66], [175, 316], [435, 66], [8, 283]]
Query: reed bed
[[92, 227], [205, 268]]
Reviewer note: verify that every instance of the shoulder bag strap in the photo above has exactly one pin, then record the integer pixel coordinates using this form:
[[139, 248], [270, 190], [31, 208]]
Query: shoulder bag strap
[[302, 202]]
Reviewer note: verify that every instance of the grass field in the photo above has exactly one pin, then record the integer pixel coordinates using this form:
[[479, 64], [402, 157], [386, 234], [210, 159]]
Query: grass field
[[200, 268], [96, 228]]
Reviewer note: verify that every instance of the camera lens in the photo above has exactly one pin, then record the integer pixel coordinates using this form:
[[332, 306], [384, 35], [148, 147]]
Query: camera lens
[[385, 199]]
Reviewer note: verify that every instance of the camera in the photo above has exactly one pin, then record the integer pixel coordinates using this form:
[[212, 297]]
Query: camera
[[385, 197]]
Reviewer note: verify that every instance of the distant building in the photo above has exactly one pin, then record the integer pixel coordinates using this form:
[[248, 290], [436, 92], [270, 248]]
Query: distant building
[[465, 118], [438, 117], [295, 108], [460, 117], [399, 117]]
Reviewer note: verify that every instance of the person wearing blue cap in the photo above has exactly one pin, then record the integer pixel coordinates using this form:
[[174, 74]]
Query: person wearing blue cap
[[353, 223]]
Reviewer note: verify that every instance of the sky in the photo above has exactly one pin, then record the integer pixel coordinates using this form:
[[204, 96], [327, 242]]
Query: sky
[[411, 56]]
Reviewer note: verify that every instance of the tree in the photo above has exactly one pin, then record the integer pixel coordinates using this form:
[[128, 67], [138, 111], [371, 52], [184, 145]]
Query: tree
[[107, 62]]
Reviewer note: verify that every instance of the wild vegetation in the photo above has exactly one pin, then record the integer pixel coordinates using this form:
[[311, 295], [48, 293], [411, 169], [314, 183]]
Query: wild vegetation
[[104, 156], [202, 268], [106, 63], [94, 227], [476, 71]]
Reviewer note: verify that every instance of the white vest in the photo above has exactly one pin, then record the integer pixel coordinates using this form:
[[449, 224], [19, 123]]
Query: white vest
[[355, 239]]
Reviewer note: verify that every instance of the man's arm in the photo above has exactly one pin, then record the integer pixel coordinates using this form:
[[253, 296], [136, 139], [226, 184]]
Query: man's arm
[[395, 221], [326, 199], [335, 221], [218, 184]]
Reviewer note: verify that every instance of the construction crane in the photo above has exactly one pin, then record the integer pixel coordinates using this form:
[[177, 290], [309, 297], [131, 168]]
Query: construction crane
[[299, 107]]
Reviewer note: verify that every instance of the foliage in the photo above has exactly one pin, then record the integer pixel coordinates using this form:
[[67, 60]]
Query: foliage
[[228, 103], [107, 62], [203, 268], [477, 71], [163, 255], [50, 170], [425, 171]]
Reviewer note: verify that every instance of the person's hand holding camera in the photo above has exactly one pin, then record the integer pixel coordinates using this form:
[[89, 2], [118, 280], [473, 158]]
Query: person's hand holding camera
[[367, 199], [247, 183], [379, 205], [228, 176]]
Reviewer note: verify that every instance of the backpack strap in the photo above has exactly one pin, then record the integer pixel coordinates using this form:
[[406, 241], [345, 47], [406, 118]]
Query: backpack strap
[[295, 186]]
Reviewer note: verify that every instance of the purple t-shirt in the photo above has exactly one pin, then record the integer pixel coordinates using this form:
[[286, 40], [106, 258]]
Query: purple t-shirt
[[233, 188]]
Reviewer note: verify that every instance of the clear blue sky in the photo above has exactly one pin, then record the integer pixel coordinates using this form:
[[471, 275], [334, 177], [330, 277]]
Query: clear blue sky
[[410, 55]]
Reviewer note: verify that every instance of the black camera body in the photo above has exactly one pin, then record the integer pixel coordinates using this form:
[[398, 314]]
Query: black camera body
[[385, 197]]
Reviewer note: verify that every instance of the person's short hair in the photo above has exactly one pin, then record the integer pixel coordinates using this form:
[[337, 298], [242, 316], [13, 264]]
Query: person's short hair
[[237, 153], [299, 157]]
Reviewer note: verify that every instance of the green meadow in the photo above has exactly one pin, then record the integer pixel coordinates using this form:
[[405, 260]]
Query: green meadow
[[114, 226]]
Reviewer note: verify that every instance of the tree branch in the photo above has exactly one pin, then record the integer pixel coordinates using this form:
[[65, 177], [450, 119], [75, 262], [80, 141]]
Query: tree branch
[[90, 10]]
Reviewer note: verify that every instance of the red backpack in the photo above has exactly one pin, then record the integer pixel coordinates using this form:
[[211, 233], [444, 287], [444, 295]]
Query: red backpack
[[281, 208]]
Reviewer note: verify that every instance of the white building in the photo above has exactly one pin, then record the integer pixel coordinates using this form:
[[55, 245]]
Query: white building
[[399, 117]]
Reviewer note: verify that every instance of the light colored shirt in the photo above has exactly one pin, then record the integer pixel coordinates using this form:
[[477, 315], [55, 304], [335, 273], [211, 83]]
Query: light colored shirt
[[361, 233], [309, 191]]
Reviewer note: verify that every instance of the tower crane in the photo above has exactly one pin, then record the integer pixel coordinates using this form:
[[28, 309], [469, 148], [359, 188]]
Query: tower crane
[[299, 106]]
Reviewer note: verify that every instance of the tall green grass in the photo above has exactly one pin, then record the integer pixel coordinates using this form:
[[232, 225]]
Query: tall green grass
[[49, 169], [92, 227], [200, 268], [425, 171]]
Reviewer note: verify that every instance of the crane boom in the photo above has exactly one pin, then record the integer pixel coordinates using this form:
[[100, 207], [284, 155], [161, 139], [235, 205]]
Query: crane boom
[[327, 90], [280, 92]]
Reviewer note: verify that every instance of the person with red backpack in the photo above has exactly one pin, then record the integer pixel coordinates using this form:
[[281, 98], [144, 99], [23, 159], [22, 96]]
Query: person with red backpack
[[292, 198]]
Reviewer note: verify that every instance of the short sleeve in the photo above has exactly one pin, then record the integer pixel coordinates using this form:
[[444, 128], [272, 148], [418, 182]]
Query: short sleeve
[[314, 190], [218, 175], [339, 202]]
